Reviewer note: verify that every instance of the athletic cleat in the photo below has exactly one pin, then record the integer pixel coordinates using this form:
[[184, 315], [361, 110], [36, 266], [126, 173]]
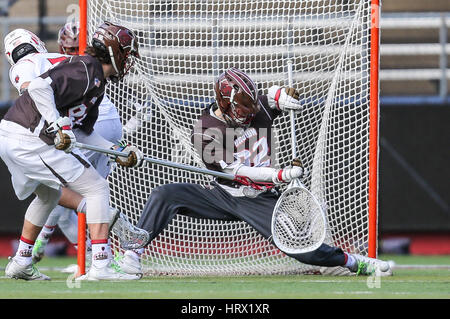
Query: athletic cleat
[[71, 269], [111, 271], [129, 263], [370, 266], [38, 250], [28, 272], [336, 271]]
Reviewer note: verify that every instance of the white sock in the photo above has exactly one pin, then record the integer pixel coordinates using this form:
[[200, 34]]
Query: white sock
[[101, 253], [350, 261], [24, 252], [46, 232]]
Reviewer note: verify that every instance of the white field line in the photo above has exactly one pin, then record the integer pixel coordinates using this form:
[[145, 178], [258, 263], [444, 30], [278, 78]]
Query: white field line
[[397, 266], [422, 267], [153, 278]]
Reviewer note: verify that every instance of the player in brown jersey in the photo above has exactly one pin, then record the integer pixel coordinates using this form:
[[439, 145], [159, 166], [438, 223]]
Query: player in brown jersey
[[37, 145], [234, 136]]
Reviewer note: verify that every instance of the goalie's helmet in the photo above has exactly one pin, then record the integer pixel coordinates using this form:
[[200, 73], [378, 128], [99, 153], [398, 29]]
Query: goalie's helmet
[[119, 43], [68, 38], [21, 42], [237, 97]]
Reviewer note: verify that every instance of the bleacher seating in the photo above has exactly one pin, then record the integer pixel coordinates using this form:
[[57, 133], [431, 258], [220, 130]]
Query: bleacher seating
[[411, 47]]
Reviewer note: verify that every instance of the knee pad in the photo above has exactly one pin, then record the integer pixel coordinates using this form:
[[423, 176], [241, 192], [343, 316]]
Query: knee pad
[[95, 189], [42, 205]]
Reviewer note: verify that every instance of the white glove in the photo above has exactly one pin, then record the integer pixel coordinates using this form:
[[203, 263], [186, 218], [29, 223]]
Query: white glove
[[284, 99], [143, 114], [135, 157], [287, 174], [64, 139], [131, 126]]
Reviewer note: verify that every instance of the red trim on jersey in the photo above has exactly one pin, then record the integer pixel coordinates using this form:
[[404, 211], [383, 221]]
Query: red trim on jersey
[[56, 60]]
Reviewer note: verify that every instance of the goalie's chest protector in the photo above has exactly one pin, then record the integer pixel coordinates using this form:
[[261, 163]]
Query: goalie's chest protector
[[250, 146]]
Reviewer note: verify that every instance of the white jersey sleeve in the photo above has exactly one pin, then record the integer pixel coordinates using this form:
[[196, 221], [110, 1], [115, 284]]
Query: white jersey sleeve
[[21, 72], [33, 65]]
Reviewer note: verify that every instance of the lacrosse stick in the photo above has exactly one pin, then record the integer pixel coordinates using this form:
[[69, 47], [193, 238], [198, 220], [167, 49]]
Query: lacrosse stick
[[238, 178], [157, 161], [130, 236], [298, 221]]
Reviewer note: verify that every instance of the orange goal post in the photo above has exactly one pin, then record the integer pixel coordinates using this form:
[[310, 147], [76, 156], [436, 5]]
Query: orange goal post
[[184, 45]]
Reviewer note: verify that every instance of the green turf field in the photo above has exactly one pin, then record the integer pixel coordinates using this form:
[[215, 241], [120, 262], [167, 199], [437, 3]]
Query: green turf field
[[415, 277]]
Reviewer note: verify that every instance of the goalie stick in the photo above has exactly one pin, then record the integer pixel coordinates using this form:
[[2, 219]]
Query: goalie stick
[[238, 178], [130, 236], [298, 221]]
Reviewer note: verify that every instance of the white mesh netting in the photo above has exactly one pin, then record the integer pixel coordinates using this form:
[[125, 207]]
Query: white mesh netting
[[184, 45]]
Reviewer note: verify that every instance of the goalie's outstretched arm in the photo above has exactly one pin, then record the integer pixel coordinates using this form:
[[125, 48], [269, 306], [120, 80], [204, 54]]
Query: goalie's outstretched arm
[[265, 174]]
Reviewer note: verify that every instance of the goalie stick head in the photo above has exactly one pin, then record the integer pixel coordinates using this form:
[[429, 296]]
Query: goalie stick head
[[119, 43], [21, 42], [68, 38], [237, 97]]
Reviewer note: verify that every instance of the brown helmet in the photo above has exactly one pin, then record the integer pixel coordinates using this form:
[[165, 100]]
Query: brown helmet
[[68, 38], [119, 43], [237, 97]]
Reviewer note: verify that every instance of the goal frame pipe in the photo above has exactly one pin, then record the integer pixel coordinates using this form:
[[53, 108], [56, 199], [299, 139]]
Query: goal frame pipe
[[81, 234], [374, 128], [374, 115]]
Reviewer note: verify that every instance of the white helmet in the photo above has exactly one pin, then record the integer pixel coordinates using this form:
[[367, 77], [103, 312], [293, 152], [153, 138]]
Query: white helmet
[[20, 42]]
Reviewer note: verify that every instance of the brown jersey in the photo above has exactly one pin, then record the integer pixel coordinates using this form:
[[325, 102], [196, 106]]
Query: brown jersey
[[221, 146], [78, 87]]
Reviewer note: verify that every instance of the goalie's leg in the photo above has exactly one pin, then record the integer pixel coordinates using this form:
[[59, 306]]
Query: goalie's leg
[[258, 213], [162, 206], [193, 200]]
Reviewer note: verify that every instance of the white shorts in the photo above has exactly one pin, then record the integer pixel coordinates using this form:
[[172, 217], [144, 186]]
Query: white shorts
[[111, 130], [32, 162]]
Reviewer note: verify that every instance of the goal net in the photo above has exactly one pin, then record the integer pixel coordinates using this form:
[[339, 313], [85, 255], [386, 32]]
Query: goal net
[[184, 46]]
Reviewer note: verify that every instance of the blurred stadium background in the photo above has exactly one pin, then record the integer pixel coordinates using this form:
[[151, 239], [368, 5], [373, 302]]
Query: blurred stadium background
[[414, 189]]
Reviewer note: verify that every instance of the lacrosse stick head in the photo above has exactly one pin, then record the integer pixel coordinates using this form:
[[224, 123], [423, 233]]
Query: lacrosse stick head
[[298, 221], [130, 236]]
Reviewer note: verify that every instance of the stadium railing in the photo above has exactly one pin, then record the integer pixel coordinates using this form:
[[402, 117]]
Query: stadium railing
[[388, 21]]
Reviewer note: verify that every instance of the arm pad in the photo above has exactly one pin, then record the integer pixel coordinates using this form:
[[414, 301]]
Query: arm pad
[[256, 174]]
